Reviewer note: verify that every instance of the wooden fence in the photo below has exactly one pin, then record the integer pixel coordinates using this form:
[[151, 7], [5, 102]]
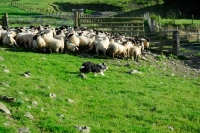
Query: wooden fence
[[132, 26], [165, 41]]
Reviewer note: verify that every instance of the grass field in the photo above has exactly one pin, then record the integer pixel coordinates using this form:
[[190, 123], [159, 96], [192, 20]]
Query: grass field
[[163, 97], [160, 99]]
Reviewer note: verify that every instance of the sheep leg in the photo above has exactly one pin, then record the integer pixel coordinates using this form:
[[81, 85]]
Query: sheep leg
[[97, 52], [147, 49], [104, 52], [113, 56], [61, 50], [16, 45], [136, 58], [57, 50]]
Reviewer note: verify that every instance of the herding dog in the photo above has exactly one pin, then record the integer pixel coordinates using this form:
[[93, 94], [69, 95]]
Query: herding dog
[[92, 67]]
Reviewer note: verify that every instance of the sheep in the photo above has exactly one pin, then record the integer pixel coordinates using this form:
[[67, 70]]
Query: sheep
[[4, 33], [86, 41], [145, 41], [38, 42], [99, 36], [53, 44], [20, 39], [73, 38], [102, 45], [9, 40], [116, 48], [72, 47], [136, 51], [26, 37]]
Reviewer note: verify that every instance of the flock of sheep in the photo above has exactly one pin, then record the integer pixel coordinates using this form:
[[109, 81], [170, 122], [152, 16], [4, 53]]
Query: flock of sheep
[[78, 39]]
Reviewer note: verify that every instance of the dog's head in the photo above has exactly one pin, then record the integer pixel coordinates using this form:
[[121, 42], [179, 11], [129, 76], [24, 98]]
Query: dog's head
[[104, 66]]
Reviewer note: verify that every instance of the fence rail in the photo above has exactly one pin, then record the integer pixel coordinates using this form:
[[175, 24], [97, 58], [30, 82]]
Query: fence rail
[[132, 26]]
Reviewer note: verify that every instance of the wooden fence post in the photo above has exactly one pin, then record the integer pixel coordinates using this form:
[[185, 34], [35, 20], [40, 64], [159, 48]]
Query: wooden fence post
[[176, 43], [76, 24], [5, 20], [152, 25]]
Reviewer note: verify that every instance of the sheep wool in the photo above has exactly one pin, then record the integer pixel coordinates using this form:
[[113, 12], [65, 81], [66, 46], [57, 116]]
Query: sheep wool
[[72, 47], [9, 40], [54, 44], [135, 52]]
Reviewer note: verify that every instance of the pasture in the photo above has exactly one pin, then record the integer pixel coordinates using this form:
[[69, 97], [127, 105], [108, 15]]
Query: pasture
[[160, 93], [162, 97]]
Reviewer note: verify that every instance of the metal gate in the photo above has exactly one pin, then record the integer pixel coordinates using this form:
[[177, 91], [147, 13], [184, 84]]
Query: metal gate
[[55, 20]]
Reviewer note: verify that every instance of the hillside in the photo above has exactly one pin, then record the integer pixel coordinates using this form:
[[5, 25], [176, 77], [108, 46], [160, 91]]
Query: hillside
[[67, 5], [46, 93]]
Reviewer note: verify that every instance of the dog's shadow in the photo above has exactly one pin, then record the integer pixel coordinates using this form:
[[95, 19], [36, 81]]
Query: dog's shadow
[[77, 72]]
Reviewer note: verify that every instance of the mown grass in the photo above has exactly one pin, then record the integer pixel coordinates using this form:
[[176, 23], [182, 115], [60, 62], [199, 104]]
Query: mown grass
[[154, 101]]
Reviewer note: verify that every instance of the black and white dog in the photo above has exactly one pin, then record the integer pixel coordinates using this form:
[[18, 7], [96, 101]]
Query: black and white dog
[[92, 67]]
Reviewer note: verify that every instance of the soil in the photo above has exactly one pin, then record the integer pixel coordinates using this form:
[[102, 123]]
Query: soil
[[187, 63]]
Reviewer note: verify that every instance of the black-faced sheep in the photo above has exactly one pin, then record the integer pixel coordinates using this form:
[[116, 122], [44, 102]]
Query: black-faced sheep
[[38, 42], [73, 38], [145, 42]]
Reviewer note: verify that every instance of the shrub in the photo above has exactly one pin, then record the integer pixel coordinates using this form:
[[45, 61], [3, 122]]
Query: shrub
[[87, 11], [154, 16]]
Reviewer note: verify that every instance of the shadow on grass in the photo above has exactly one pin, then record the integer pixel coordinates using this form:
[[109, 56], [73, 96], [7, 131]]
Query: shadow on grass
[[68, 6]]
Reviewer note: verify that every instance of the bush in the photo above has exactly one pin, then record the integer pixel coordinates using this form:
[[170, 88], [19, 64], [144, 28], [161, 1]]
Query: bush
[[87, 11], [154, 16]]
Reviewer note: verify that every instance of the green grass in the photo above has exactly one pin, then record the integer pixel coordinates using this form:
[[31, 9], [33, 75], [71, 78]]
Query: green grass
[[13, 11], [118, 102], [179, 21], [115, 103]]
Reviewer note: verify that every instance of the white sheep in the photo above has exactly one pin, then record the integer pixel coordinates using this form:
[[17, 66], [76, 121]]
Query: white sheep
[[99, 36], [73, 38], [9, 40], [72, 47], [54, 44], [116, 48], [102, 45], [49, 32], [13, 32], [86, 41], [26, 38], [136, 51], [38, 42]]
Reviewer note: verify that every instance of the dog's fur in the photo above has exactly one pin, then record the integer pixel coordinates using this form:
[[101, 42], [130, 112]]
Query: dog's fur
[[92, 67]]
